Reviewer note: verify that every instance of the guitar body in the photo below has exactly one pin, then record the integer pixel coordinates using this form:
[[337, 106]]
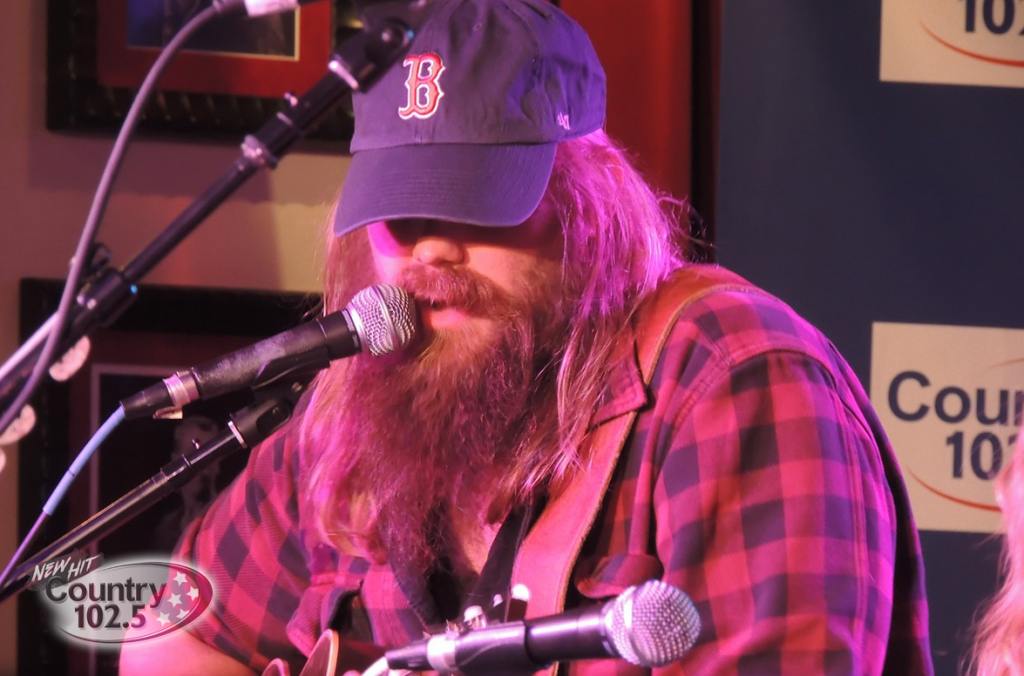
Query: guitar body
[[333, 655], [277, 667], [326, 657], [323, 659]]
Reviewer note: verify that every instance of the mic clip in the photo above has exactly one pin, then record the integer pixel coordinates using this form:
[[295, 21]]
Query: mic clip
[[181, 388]]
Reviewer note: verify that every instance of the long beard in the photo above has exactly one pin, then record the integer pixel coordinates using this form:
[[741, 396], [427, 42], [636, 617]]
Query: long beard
[[436, 432]]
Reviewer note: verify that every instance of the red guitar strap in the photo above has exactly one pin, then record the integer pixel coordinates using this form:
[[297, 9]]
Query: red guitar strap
[[546, 559]]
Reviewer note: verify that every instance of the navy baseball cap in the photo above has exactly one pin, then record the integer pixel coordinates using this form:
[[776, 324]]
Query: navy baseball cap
[[465, 128]]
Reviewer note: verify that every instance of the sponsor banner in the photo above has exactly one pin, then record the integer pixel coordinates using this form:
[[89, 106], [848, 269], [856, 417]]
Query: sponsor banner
[[950, 398], [123, 601], [966, 42]]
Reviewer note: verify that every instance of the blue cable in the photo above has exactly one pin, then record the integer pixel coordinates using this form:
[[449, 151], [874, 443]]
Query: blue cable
[[115, 419]]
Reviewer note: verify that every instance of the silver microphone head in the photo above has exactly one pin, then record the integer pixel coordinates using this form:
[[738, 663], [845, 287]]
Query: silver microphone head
[[652, 624], [384, 317]]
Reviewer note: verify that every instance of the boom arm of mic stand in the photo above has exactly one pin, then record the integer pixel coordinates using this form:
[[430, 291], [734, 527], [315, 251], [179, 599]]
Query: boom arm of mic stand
[[359, 62], [247, 428]]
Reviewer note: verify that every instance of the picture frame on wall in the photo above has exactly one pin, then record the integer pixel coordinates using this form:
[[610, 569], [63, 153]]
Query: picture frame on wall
[[226, 82]]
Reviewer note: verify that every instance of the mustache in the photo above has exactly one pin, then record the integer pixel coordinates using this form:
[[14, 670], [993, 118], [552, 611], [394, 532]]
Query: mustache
[[455, 287]]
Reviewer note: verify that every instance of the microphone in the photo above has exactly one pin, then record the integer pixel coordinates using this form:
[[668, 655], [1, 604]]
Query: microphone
[[254, 8], [648, 625], [379, 319]]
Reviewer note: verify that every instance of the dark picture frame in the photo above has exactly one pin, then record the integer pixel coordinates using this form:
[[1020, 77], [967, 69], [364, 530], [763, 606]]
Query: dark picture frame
[[168, 328], [97, 55]]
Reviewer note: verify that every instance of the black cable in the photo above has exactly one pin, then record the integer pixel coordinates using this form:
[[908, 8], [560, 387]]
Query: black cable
[[99, 205]]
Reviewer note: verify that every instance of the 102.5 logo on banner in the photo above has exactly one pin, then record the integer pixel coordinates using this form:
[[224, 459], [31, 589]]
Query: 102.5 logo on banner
[[951, 399], [957, 42], [121, 601], [996, 16]]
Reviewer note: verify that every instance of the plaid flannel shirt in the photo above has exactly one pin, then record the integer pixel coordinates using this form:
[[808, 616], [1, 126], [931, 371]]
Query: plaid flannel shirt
[[756, 478]]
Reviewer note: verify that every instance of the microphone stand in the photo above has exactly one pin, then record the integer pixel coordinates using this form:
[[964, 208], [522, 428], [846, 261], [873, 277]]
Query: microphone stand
[[246, 428], [109, 292]]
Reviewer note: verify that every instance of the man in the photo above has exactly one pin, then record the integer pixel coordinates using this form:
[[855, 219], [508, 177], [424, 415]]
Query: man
[[584, 411]]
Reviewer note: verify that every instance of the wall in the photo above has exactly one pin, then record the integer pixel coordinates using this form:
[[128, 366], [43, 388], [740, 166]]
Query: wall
[[645, 48], [261, 239]]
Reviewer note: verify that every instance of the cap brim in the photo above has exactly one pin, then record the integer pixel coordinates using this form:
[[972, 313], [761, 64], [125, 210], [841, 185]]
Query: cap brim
[[492, 185]]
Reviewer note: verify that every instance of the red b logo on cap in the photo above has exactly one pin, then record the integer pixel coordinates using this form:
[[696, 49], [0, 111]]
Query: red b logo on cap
[[424, 92]]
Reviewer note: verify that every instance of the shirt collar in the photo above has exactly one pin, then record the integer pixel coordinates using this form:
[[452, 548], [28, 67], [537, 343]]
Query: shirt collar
[[625, 390]]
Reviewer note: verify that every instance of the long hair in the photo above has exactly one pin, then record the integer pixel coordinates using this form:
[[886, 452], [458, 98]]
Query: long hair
[[999, 643], [621, 240]]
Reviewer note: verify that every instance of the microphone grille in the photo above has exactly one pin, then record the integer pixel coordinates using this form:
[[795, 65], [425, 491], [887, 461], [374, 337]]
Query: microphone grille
[[385, 318], [652, 624]]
